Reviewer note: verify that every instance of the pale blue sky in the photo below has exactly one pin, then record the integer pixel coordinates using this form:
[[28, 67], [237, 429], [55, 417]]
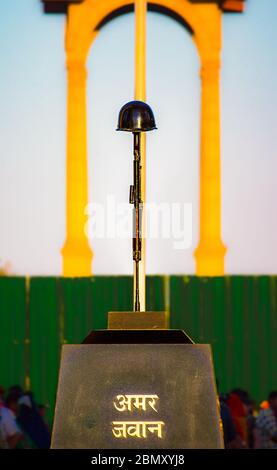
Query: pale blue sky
[[32, 136]]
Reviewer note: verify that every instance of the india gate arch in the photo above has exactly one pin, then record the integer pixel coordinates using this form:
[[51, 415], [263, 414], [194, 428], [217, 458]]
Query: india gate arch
[[203, 19]]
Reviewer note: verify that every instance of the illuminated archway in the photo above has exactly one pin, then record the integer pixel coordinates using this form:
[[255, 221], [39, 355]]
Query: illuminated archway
[[84, 20]]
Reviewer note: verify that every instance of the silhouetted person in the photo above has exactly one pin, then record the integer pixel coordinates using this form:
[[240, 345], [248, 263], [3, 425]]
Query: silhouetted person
[[11, 435], [267, 423], [229, 431], [32, 423]]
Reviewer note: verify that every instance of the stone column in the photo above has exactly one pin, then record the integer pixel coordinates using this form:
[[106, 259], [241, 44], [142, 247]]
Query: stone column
[[76, 252], [210, 251]]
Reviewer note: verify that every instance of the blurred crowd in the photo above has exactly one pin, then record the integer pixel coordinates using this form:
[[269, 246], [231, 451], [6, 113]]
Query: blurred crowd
[[22, 421], [246, 426]]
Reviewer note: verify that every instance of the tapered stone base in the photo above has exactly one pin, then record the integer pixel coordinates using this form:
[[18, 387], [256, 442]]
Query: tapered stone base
[[115, 393]]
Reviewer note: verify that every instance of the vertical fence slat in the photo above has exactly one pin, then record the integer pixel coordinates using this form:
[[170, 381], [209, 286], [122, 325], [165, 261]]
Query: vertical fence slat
[[155, 296], [12, 331], [44, 340]]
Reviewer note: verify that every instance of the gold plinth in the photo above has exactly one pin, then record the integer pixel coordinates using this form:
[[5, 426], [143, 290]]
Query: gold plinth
[[137, 321]]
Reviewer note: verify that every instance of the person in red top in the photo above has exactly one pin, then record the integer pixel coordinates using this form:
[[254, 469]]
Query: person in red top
[[239, 414]]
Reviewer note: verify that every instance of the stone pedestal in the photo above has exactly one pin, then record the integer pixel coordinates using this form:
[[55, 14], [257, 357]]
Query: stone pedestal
[[136, 389]]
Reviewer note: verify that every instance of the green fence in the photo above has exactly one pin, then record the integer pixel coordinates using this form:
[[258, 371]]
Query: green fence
[[236, 314]]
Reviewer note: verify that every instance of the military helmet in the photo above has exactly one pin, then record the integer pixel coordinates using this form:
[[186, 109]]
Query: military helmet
[[136, 116]]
